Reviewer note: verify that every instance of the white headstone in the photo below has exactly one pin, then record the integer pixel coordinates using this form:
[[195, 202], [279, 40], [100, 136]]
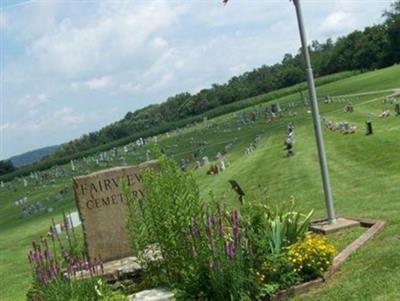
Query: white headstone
[[222, 165], [58, 229], [72, 165], [73, 219]]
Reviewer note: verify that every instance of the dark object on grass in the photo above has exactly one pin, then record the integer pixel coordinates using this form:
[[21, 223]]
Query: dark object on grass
[[369, 128], [235, 186], [397, 109]]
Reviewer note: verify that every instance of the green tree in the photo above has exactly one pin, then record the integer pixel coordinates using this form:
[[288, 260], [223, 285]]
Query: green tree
[[6, 166]]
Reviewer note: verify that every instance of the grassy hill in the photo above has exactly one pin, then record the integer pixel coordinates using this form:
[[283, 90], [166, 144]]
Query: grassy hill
[[364, 170]]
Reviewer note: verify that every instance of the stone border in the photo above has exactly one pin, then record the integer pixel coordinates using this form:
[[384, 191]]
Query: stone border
[[375, 226]]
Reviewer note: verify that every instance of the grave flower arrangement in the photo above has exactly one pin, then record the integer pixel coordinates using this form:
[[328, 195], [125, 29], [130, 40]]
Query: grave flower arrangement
[[209, 252]]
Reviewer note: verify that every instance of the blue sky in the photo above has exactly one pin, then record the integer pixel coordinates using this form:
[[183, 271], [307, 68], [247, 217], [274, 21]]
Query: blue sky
[[70, 67]]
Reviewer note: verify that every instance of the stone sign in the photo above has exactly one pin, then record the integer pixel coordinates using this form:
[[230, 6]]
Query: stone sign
[[103, 209]]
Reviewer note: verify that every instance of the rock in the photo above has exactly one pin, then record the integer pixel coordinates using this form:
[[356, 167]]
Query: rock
[[117, 285], [153, 295]]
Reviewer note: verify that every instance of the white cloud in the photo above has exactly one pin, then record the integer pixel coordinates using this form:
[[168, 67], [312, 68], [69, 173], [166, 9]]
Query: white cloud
[[338, 22], [160, 42], [67, 116], [95, 83], [29, 101], [119, 33], [35, 123], [7, 126], [131, 88], [98, 83]]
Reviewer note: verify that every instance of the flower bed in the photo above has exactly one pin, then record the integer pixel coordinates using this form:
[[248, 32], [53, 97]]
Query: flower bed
[[210, 252], [375, 226]]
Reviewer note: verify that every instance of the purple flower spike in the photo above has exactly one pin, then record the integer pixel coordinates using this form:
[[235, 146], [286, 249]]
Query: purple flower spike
[[47, 254], [231, 250], [212, 220], [235, 226], [222, 228], [36, 256]]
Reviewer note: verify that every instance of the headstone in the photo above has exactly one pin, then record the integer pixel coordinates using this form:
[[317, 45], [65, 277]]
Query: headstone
[[397, 109], [368, 125], [25, 182], [275, 108], [72, 165], [59, 197], [73, 219], [103, 210], [58, 229]]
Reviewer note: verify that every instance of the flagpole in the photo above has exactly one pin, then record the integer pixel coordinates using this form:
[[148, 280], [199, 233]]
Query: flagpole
[[316, 118]]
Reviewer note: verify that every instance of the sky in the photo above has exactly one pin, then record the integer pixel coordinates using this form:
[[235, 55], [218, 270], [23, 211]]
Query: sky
[[71, 67]]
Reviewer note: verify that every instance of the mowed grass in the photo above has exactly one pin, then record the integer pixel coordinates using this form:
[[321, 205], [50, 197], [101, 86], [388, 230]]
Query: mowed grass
[[364, 171]]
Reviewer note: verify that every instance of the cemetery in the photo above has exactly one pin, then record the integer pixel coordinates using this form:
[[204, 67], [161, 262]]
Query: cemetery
[[158, 151], [98, 229]]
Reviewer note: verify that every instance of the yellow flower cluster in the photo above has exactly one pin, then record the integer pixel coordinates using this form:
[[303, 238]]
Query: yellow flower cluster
[[312, 255], [266, 269], [260, 277]]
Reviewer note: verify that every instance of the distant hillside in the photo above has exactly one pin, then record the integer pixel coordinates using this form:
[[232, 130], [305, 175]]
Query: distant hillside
[[33, 156]]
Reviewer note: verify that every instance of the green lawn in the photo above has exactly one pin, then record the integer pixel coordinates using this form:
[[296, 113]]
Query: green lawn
[[364, 170]]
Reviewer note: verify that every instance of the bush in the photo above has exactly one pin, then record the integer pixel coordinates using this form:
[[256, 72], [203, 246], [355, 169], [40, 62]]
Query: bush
[[311, 257], [162, 219]]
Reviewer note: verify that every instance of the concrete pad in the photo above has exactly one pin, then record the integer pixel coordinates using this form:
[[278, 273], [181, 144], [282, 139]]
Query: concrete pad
[[324, 227], [153, 295]]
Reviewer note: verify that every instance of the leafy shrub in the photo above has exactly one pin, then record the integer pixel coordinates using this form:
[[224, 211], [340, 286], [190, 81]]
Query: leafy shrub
[[311, 256], [204, 253], [274, 229], [162, 219], [275, 273], [285, 228]]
